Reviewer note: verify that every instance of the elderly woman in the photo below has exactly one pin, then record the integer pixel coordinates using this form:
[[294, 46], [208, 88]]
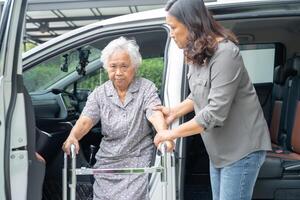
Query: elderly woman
[[124, 105]]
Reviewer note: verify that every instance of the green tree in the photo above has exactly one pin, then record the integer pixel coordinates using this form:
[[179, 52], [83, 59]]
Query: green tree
[[152, 69]]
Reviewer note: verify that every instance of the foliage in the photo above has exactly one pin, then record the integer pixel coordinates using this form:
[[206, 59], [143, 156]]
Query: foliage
[[45, 74], [48, 72], [27, 46], [152, 69]]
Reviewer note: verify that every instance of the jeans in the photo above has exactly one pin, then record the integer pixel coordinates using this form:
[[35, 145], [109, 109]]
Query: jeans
[[236, 181]]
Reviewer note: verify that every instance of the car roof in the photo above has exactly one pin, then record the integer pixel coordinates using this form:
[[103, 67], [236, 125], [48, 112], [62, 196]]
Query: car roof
[[231, 9]]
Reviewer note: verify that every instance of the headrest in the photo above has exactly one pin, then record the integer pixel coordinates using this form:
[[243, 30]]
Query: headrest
[[281, 73], [277, 72], [296, 63]]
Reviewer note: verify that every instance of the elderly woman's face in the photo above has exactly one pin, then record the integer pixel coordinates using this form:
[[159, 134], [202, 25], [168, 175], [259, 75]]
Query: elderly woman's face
[[120, 70]]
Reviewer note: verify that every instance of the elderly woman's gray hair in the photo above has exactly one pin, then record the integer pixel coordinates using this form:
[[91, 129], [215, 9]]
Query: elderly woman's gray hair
[[122, 44]]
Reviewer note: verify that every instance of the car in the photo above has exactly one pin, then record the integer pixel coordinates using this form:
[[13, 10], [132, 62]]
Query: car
[[43, 91]]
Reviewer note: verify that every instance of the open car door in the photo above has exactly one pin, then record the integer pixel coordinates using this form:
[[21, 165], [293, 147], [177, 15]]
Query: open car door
[[17, 127]]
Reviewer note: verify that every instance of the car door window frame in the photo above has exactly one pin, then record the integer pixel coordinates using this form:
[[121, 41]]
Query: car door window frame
[[14, 140]]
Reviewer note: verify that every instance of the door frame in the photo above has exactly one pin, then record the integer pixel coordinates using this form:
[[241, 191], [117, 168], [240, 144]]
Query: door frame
[[13, 141]]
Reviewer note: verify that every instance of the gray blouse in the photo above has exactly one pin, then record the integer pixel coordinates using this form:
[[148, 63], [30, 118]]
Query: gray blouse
[[127, 140], [226, 104], [125, 126]]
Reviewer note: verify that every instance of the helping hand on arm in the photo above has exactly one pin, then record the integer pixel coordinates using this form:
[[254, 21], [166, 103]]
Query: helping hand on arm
[[170, 114], [186, 129], [189, 128], [159, 123]]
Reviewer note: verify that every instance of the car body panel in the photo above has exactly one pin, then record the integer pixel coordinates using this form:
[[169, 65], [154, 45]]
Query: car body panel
[[14, 155], [222, 11], [13, 137]]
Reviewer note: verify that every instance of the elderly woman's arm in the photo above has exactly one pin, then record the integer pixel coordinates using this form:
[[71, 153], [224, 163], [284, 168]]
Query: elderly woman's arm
[[158, 121], [81, 128]]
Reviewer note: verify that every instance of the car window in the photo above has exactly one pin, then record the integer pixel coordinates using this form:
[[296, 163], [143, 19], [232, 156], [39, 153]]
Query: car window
[[90, 81], [151, 68], [152, 48], [54, 73], [259, 60], [45, 74]]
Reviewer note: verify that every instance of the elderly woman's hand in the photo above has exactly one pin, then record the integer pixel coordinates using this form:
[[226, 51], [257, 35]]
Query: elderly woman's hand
[[163, 136], [170, 145], [67, 145]]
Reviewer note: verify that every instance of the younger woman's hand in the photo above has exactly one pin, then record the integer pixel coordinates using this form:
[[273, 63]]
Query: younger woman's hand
[[169, 113]]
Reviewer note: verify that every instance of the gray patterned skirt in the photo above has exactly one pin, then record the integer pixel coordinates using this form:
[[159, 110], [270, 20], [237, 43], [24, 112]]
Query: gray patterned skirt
[[122, 186]]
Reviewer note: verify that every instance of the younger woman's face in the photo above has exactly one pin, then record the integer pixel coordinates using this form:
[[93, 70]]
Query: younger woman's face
[[179, 32]]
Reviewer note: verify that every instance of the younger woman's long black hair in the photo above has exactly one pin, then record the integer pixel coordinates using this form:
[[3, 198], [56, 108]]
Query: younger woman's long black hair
[[203, 29]]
